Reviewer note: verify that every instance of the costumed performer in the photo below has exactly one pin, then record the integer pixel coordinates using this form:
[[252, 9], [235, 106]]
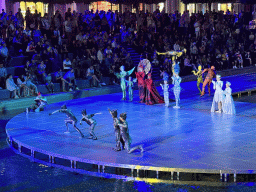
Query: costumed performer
[[208, 79], [228, 103], [70, 120], [176, 80], [218, 95], [198, 73], [152, 95], [122, 76], [39, 104], [130, 84], [90, 121], [165, 88], [119, 141], [175, 55], [124, 133], [141, 83]]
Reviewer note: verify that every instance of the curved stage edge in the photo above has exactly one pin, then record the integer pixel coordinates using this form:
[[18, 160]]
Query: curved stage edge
[[179, 147]]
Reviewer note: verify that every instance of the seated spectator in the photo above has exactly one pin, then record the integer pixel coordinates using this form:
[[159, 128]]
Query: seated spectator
[[49, 83], [22, 86], [59, 79], [67, 65], [41, 72], [3, 75], [37, 57], [11, 86], [70, 78], [92, 77], [30, 84]]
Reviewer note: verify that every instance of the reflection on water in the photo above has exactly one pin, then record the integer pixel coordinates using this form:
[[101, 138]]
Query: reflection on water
[[20, 174]]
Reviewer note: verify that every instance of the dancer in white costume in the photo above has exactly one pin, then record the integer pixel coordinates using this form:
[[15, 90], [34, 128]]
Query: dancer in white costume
[[165, 88], [228, 103], [176, 80], [218, 95]]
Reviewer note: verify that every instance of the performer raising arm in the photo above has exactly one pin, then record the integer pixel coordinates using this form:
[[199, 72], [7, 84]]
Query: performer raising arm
[[90, 121], [198, 73], [119, 141], [122, 76], [70, 120]]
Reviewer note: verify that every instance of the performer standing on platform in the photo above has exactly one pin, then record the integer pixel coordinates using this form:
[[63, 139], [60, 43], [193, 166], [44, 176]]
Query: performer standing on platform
[[198, 73], [141, 83], [122, 76], [218, 95], [119, 141], [208, 79], [90, 121], [124, 132], [228, 103], [176, 80], [130, 84], [70, 120], [152, 95]]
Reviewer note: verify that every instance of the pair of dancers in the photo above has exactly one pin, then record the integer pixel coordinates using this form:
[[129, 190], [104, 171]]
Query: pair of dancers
[[123, 138], [222, 100], [71, 119], [120, 125]]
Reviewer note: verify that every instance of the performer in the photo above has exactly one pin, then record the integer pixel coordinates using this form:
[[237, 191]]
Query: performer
[[124, 132], [208, 79], [152, 95], [228, 103], [130, 84], [176, 80], [39, 104], [90, 121], [70, 120], [119, 141], [141, 83], [165, 88], [175, 55], [198, 73], [122, 76], [218, 95]]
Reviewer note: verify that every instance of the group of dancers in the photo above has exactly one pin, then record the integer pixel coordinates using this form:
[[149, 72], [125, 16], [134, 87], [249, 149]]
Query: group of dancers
[[123, 138], [222, 100]]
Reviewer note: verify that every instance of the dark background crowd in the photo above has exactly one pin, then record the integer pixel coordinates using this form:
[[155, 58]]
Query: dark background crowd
[[94, 45]]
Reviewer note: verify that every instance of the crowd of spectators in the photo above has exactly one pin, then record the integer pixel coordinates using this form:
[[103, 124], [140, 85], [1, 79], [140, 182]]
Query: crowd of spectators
[[92, 45]]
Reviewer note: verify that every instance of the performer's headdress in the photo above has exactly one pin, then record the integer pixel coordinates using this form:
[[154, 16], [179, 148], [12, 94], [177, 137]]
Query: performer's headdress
[[228, 83], [123, 116], [122, 67], [39, 94], [64, 107], [113, 112], [84, 112]]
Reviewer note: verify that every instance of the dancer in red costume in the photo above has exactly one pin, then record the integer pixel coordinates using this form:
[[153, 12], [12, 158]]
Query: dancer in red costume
[[152, 95], [141, 83]]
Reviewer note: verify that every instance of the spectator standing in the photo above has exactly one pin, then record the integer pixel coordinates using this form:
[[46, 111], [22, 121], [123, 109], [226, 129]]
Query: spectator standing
[[3, 75], [4, 53], [49, 83]]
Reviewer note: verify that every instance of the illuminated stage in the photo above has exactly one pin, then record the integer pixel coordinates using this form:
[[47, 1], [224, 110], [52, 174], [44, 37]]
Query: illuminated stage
[[187, 144]]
